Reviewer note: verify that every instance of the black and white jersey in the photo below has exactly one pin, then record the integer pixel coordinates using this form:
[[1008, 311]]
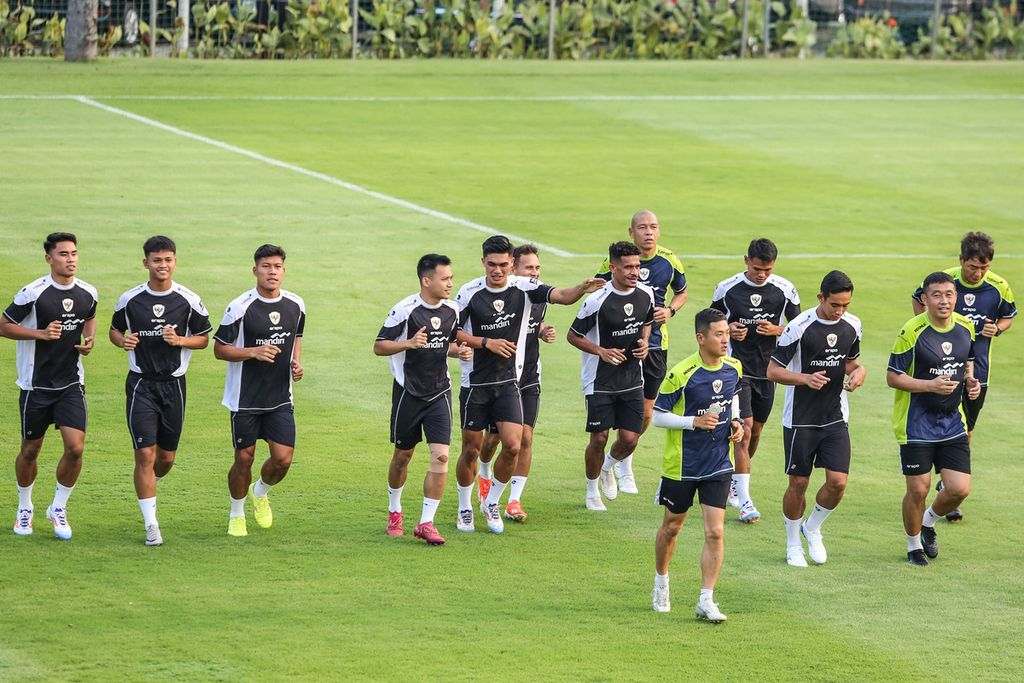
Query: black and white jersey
[[530, 376], [422, 372], [251, 320], [614, 320], [498, 314], [144, 311], [746, 303], [808, 345], [51, 364]]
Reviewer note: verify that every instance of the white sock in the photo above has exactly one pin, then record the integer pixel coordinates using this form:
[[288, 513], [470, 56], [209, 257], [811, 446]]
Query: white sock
[[485, 470], [237, 507], [429, 509], [742, 487], [465, 497], [626, 465], [660, 580], [818, 516], [60, 498], [706, 594], [25, 497], [148, 507], [792, 532], [608, 462], [914, 543], [930, 517], [497, 488], [592, 490], [395, 499], [260, 490], [515, 488]]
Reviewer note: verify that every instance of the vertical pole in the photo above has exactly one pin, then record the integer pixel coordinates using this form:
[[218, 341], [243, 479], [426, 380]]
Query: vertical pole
[[355, 28], [183, 14], [152, 28], [743, 32], [767, 40], [935, 26], [551, 29]]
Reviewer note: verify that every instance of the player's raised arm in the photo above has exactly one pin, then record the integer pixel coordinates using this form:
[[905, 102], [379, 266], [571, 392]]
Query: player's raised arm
[[570, 295]]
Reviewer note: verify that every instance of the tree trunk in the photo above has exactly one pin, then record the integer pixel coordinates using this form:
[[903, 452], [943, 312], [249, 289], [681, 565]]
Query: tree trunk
[[80, 36]]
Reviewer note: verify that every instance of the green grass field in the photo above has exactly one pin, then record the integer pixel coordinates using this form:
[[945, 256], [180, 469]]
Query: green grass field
[[562, 154]]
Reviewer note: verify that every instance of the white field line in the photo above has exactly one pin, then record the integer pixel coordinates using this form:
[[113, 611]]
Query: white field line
[[440, 215], [867, 97]]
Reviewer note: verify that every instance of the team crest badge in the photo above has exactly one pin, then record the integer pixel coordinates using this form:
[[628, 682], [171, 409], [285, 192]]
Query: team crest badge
[[275, 317], [947, 348], [645, 273], [755, 299], [969, 299], [499, 305], [628, 308], [717, 385], [832, 339], [68, 304], [435, 322], [158, 310]]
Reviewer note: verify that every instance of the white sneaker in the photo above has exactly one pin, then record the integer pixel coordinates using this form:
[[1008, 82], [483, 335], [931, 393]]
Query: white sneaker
[[464, 522], [608, 485], [707, 609], [153, 536], [815, 548], [749, 513], [23, 522], [624, 472], [596, 504], [494, 521], [795, 556], [59, 517], [659, 600], [734, 498]]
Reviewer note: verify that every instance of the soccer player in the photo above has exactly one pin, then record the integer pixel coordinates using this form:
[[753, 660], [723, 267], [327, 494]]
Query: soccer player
[[693, 404], [754, 302], [494, 318], [815, 351], [159, 323], [53, 321], [526, 263], [612, 330], [931, 363], [418, 336], [661, 270], [986, 299], [260, 337]]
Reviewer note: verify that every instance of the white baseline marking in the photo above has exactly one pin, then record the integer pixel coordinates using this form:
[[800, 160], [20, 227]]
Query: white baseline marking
[[866, 97], [479, 227]]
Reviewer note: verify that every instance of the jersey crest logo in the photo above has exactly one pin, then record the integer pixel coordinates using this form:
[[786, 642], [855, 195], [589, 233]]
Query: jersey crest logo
[[832, 339], [435, 322], [68, 304], [499, 305], [645, 273], [947, 348], [717, 385], [755, 299], [628, 308], [158, 310], [969, 299], [275, 317]]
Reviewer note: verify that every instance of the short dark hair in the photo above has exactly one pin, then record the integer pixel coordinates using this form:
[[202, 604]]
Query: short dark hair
[[977, 245], [763, 249], [835, 282], [159, 243], [266, 251], [54, 237], [617, 250], [523, 250], [702, 321], [498, 244], [428, 263], [937, 278]]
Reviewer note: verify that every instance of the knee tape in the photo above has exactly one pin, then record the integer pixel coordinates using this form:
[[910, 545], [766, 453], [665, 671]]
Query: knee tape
[[438, 459]]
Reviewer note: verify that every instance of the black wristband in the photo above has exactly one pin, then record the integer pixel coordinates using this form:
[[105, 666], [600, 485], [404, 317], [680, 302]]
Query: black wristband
[[673, 312], [483, 344]]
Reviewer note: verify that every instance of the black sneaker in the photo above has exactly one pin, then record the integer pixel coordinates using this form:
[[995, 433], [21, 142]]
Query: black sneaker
[[929, 541], [954, 516], [916, 557]]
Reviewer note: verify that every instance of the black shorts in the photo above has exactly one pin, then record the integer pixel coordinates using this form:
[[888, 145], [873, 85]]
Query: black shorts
[[276, 425], [655, 367], [41, 408], [973, 408], [531, 404], [414, 418], [624, 410], [156, 411], [810, 447], [490, 404], [677, 496], [757, 396], [919, 458]]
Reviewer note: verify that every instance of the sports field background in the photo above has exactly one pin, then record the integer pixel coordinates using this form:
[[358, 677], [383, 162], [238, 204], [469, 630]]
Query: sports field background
[[562, 154]]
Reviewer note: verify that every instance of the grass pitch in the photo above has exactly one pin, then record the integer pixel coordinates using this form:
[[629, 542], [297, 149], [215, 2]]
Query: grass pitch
[[561, 154]]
